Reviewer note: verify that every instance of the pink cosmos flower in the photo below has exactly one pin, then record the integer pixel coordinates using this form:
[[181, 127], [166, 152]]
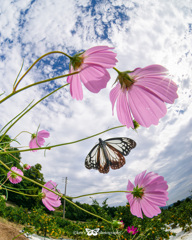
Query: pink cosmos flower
[[13, 177], [38, 140], [50, 199], [148, 194], [26, 166], [132, 230], [141, 94], [91, 65]]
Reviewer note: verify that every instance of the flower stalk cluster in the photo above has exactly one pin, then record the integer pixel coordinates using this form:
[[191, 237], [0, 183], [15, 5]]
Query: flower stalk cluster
[[139, 95]]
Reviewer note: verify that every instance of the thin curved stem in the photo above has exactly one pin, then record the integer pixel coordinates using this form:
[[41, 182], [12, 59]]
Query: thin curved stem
[[85, 195], [88, 211], [30, 109], [15, 117], [18, 235], [24, 194], [116, 70], [36, 83], [62, 144], [18, 74], [16, 84], [14, 157], [3, 182], [19, 134], [21, 189]]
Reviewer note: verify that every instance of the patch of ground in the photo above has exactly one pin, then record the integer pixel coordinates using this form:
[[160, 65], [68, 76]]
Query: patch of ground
[[8, 231]]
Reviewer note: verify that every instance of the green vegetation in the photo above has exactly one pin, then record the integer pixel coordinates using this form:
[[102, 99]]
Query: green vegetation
[[51, 224], [24, 186]]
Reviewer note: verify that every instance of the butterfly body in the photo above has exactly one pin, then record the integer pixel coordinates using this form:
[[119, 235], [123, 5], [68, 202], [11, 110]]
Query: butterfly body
[[102, 145], [109, 153]]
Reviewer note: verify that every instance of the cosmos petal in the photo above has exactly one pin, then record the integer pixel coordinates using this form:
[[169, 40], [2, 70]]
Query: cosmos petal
[[123, 110], [50, 184], [54, 202], [105, 59], [33, 144], [135, 208], [43, 134], [156, 198], [40, 141], [47, 205], [130, 198], [114, 93], [52, 195], [130, 186], [148, 209], [139, 178], [146, 108], [95, 78], [76, 88], [164, 88], [96, 49], [151, 70]]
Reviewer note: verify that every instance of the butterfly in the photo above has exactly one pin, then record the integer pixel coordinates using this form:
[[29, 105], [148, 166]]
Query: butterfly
[[92, 232], [109, 153]]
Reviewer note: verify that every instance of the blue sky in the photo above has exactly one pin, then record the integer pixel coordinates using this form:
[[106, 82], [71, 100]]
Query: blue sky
[[142, 33]]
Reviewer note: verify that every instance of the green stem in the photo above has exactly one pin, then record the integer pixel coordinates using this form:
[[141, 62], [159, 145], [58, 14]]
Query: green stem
[[59, 194], [15, 117], [18, 74], [36, 83], [36, 63], [124, 75], [14, 157], [99, 193], [20, 192], [19, 134], [62, 144], [3, 182], [88, 212], [116, 70], [18, 235], [30, 109], [15, 139], [20, 189]]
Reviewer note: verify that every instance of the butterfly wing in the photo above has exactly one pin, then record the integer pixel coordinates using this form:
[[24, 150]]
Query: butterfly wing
[[116, 149], [92, 160], [116, 159], [122, 145], [96, 160]]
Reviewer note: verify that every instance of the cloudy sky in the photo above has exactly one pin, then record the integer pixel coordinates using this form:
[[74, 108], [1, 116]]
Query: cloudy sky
[[142, 33]]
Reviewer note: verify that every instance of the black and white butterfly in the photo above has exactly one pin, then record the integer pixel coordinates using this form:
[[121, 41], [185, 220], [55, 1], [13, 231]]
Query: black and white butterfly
[[109, 153]]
